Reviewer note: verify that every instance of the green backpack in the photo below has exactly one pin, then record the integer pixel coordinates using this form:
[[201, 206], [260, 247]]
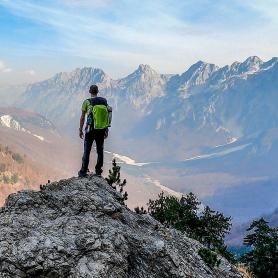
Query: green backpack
[[100, 116]]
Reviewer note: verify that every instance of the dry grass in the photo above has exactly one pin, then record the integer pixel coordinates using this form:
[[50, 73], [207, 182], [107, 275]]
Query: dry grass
[[245, 272]]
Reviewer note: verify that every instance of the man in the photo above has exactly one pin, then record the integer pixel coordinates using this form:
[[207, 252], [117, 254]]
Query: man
[[97, 112]]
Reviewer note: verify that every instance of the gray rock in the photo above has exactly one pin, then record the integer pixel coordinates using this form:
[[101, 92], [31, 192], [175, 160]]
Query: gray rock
[[78, 228]]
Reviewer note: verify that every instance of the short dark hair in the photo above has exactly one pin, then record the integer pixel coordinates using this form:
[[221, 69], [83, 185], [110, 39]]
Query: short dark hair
[[93, 89]]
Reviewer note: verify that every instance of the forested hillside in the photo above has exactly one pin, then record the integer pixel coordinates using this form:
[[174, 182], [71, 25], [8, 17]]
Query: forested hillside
[[18, 171]]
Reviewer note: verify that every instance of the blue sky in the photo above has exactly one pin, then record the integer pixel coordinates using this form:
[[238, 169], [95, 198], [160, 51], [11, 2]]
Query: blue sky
[[40, 38]]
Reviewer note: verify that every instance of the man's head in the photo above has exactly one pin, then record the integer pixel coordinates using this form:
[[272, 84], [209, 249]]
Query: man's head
[[93, 90]]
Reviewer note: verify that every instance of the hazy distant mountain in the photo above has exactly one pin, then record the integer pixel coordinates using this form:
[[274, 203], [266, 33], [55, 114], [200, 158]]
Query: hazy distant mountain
[[238, 231], [27, 122], [59, 98], [212, 129], [31, 134], [240, 102], [10, 94], [142, 86], [225, 103], [44, 153], [26, 143], [204, 107]]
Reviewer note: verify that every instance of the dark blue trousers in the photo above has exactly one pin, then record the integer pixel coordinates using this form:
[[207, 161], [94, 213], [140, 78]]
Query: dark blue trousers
[[98, 136]]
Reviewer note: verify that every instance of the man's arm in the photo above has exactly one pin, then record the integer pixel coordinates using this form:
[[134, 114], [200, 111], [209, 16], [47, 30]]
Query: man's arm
[[82, 120]]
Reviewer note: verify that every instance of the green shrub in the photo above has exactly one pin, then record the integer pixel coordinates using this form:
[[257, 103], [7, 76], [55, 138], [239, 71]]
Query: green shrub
[[14, 178], [2, 167], [17, 157], [140, 210], [209, 257], [208, 227], [6, 179]]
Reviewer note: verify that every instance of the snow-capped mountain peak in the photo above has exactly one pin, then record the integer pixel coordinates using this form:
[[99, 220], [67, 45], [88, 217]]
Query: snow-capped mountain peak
[[85, 74], [250, 65], [142, 86], [196, 75], [269, 64], [238, 70], [145, 68], [9, 122], [144, 71], [253, 60]]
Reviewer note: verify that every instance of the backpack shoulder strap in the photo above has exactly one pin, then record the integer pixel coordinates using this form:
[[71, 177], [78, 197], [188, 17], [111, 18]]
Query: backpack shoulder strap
[[91, 101]]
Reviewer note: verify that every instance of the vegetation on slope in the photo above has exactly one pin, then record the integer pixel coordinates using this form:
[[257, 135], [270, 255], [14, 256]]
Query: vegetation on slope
[[18, 171], [11, 162], [205, 225], [262, 259]]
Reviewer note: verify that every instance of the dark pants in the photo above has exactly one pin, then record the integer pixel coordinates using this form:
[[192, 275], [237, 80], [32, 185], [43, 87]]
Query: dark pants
[[98, 136]]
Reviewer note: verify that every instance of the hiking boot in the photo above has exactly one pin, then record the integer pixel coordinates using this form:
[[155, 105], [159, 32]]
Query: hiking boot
[[99, 172], [82, 174]]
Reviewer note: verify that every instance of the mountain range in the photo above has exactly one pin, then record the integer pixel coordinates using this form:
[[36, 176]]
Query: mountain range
[[205, 106], [211, 130]]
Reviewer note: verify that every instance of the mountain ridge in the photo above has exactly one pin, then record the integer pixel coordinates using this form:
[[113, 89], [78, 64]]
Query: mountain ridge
[[175, 118], [249, 62]]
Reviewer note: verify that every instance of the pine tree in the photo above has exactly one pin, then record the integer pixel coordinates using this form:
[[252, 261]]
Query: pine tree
[[166, 209], [115, 181], [263, 240], [214, 226], [181, 214], [209, 227], [190, 220]]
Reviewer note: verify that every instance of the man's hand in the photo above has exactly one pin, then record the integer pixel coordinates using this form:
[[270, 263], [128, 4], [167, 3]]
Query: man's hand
[[82, 120], [106, 133], [81, 134]]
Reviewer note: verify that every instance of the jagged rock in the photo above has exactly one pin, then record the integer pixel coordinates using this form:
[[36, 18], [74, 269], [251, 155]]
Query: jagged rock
[[78, 228]]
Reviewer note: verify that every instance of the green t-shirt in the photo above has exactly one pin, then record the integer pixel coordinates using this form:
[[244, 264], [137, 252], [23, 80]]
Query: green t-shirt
[[87, 107]]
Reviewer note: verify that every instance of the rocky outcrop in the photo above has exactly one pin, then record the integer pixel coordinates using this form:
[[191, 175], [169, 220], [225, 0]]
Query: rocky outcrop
[[79, 228]]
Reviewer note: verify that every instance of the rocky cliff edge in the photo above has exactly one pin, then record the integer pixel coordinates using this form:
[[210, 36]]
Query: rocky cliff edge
[[79, 228]]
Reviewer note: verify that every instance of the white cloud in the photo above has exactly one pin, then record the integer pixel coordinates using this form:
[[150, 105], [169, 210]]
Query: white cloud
[[149, 32], [4, 68]]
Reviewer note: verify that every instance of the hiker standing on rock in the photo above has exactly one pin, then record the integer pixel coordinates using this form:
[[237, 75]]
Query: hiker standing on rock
[[98, 120]]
